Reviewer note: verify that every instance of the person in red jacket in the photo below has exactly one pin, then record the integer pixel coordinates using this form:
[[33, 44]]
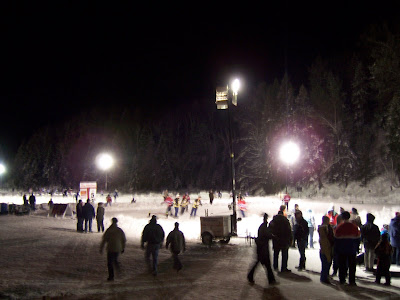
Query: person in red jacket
[[170, 202], [242, 205], [332, 215], [347, 242]]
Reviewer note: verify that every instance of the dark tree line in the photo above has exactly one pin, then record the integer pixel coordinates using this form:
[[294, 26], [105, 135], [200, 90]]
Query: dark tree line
[[345, 117]]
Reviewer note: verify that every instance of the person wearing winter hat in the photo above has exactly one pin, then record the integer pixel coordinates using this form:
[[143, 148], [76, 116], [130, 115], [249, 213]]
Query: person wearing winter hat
[[370, 235], [332, 215], [394, 230], [176, 204], [115, 239], [263, 256], [195, 205], [347, 242], [383, 252], [153, 234], [355, 217]]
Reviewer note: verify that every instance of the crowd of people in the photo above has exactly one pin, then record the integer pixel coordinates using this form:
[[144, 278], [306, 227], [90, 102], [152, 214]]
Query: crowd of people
[[173, 205], [341, 236], [343, 239]]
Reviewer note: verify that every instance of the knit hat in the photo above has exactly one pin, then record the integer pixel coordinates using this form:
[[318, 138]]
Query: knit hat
[[346, 215]]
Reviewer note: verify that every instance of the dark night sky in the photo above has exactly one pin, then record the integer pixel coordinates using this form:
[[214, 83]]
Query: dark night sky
[[61, 59]]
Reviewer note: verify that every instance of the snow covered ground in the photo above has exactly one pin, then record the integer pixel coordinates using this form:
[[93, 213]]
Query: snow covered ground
[[45, 256]]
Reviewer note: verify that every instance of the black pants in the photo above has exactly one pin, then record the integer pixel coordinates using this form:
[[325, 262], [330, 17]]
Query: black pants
[[100, 225], [79, 224], [112, 261], [263, 258], [177, 262], [347, 261], [383, 270]]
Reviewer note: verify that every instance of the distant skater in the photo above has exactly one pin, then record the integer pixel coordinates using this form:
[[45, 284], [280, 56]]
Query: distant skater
[[211, 196]]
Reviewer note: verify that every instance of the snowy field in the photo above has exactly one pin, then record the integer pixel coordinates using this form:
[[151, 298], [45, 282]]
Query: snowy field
[[45, 257]]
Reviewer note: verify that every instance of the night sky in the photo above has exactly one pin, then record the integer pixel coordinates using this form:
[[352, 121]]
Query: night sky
[[60, 59]]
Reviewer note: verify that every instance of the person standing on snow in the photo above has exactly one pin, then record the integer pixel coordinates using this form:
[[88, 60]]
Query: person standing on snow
[[309, 217], [177, 241], [32, 201], [347, 241], [211, 195], [355, 217], [286, 200], [88, 214], [280, 228], [115, 195], [394, 235], [168, 200], [301, 236], [383, 252], [79, 216], [108, 200], [195, 205], [370, 235], [332, 215], [326, 240], [100, 217], [25, 200], [115, 239], [184, 204], [292, 220], [242, 205], [176, 205], [263, 257], [153, 234]]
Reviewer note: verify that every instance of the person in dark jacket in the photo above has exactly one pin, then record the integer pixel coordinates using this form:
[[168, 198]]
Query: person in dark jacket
[[88, 214], [326, 240], [300, 234], [262, 241], [383, 252], [177, 241], [115, 239], [211, 196], [100, 217], [280, 228], [370, 235], [32, 201], [347, 242], [153, 235], [394, 237], [25, 200], [79, 216]]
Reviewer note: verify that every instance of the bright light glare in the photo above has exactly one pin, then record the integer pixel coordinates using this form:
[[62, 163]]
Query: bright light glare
[[2, 169], [105, 161], [289, 153], [235, 86]]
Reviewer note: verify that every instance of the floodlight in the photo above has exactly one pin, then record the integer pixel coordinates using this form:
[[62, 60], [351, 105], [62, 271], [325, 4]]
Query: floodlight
[[289, 152]]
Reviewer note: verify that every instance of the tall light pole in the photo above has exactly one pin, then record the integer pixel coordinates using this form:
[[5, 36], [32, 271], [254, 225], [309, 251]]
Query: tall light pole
[[105, 162], [289, 153], [224, 99]]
